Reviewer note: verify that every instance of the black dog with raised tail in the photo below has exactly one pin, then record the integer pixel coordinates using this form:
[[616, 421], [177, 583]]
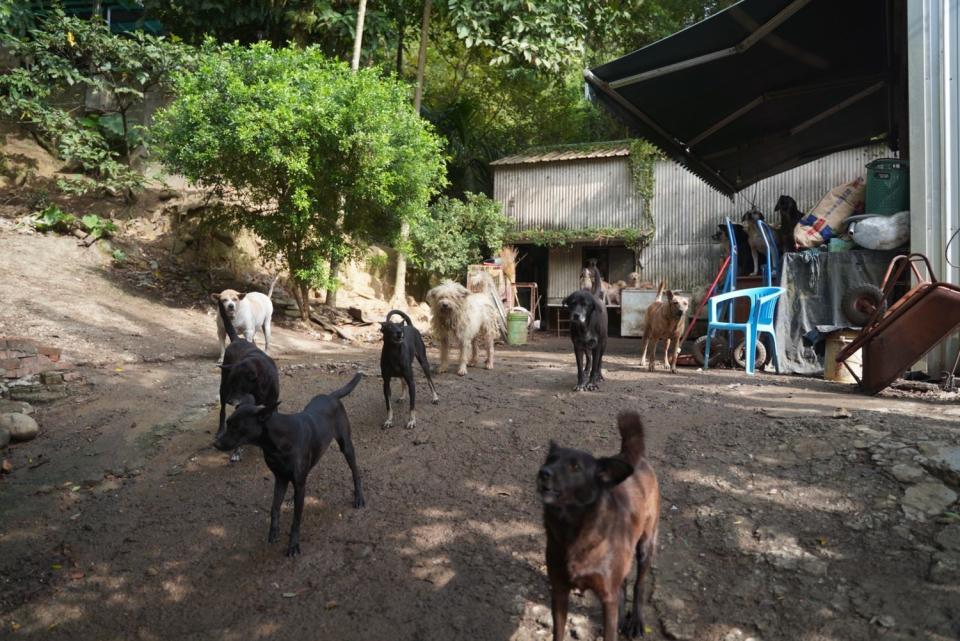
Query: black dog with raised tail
[[292, 444]]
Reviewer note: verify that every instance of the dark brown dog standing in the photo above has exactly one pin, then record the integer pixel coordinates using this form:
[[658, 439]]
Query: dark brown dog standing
[[665, 320], [790, 215], [599, 514]]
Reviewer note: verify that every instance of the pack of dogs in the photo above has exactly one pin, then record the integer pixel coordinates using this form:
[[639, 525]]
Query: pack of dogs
[[749, 240]]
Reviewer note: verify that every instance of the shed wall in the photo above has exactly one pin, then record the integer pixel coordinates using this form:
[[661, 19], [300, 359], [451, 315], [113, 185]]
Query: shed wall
[[577, 194]]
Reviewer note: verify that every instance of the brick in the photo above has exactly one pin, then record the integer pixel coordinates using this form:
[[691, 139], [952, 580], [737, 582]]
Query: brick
[[11, 373], [53, 353], [9, 363]]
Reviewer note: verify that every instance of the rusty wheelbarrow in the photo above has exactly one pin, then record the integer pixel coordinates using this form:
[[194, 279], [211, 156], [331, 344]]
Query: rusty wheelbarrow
[[896, 338]]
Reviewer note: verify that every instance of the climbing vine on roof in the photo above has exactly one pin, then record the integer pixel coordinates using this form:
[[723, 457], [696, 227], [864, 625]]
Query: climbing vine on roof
[[629, 236]]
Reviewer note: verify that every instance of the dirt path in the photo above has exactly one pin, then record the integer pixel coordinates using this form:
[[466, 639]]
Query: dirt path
[[777, 524]]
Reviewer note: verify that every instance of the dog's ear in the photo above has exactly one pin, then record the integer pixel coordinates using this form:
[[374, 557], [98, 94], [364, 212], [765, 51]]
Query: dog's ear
[[567, 301], [612, 471], [264, 411], [552, 447], [242, 295], [669, 294], [215, 297]]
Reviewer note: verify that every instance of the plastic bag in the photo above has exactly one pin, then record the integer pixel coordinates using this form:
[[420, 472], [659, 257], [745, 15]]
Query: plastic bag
[[824, 220]]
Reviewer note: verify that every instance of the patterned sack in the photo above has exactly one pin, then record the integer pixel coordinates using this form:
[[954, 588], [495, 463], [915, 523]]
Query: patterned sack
[[823, 221]]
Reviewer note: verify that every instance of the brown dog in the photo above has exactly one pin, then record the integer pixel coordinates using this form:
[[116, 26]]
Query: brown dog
[[599, 514], [665, 320]]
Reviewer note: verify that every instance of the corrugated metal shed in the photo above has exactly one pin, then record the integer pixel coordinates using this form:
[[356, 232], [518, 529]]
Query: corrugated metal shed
[[569, 194], [686, 211], [597, 192]]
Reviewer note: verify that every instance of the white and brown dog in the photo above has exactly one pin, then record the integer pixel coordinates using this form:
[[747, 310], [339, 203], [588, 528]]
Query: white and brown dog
[[463, 318], [758, 247], [248, 312]]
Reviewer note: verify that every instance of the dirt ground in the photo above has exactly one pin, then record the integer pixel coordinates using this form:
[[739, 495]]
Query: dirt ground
[[120, 521]]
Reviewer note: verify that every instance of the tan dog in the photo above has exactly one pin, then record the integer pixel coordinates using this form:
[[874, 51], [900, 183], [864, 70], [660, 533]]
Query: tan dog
[[586, 282], [613, 294], [758, 248], [665, 320], [463, 318], [248, 312]]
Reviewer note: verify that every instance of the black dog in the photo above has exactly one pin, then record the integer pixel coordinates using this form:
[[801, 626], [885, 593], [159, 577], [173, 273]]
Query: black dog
[[600, 514], [588, 331], [744, 257], [789, 217], [292, 444], [401, 344], [246, 369]]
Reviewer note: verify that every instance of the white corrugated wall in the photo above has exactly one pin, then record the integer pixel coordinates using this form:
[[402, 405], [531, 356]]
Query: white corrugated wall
[[933, 49], [574, 194], [686, 211]]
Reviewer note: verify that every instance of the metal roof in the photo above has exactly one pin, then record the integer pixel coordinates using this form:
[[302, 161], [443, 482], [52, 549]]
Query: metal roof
[[581, 152], [764, 86]]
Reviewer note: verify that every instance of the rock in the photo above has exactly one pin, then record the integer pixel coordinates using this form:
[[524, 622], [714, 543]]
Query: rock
[[38, 393], [813, 449], [886, 621], [942, 461], [842, 412], [906, 473], [4, 437], [946, 568], [20, 427], [949, 537], [15, 407], [6, 467], [927, 499], [51, 378]]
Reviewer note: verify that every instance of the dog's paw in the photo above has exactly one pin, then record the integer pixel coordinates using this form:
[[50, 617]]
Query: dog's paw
[[293, 550], [462, 371], [592, 387], [236, 457], [632, 627], [488, 366], [358, 502], [578, 388], [412, 423], [436, 400], [387, 424]]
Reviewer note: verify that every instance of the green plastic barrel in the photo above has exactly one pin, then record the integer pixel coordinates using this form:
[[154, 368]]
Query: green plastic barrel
[[888, 186], [517, 328]]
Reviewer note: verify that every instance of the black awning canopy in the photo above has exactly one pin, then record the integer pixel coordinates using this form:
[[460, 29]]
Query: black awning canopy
[[761, 87]]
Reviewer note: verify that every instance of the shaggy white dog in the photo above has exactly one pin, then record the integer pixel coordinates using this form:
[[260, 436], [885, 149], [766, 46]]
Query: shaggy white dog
[[464, 318]]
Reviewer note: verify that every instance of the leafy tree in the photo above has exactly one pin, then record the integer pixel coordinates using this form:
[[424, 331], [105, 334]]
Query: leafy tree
[[458, 233], [64, 53], [292, 138]]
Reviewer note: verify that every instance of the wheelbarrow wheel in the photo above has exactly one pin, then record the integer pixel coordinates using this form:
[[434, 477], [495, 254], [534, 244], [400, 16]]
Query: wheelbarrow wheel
[[740, 355], [860, 303], [718, 350]]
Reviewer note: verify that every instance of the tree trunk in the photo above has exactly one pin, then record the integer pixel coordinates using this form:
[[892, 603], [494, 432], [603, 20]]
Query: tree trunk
[[358, 38], [354, 65], [400, 29], [400, 284], [304, 302]]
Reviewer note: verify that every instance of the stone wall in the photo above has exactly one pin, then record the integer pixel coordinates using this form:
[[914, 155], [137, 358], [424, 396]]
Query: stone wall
[[21, 357]]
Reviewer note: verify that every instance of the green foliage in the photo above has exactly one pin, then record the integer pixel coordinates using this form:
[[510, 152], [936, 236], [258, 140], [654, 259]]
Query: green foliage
[[69, 56], [564, 237], [458, 233], [119, 257], [643, 158], [54, 219], [98, 227], [298, 139]]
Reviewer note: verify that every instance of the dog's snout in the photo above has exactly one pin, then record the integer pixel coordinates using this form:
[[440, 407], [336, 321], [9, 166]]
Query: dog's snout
[[545, 473]]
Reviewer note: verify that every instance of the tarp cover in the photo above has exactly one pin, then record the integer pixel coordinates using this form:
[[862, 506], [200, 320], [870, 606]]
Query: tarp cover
[[763, 86], [815, 283]]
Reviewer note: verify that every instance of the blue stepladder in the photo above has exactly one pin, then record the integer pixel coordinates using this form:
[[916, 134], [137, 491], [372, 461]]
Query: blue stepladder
[[722, 304]]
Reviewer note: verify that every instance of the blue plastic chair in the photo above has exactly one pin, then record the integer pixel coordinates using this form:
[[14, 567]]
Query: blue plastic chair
[[763, 304]]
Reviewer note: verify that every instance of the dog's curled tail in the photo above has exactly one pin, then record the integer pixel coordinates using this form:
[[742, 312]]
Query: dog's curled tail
[[633, 444], [400, 314], [227, 324], [272, 285], [660, 290], [346, 389]]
